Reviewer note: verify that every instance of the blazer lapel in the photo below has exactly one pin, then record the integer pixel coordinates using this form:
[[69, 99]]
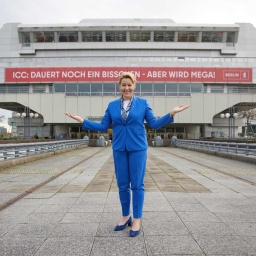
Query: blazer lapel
[[132, 109], [118, 109]]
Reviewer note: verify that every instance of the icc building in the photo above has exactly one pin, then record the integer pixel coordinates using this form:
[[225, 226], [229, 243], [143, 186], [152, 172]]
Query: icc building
[[47, 69]]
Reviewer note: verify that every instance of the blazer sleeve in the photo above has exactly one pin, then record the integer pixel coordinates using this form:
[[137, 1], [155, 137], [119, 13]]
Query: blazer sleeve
[[155, 123], [102, 126]]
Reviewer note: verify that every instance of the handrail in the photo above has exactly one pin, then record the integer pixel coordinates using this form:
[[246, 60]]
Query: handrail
[[10, 151], [248, 149]]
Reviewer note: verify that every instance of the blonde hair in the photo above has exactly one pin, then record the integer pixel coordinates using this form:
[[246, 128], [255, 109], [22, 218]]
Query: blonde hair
[[127, 75]]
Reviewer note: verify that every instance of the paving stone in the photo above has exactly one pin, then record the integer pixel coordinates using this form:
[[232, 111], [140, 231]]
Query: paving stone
[[161, 216], [198, 216], [41, 230], [19, 246], [182, 207], [87, 208], [236, 217], [49, 217], [53, 208], [164, 228], [177, 245], [225, 245], [187, 210], [243, 228], [75, 229], [209, 229], [66, 246], [78, 217], [110, 246]]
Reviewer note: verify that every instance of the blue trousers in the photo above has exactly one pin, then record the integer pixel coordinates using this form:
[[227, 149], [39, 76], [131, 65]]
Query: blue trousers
[[130, 167]]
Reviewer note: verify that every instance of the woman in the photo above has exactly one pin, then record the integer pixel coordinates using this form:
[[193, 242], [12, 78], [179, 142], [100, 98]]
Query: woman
[[127, 115]]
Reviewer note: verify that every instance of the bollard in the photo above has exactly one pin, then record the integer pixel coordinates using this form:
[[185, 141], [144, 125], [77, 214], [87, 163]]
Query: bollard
[[158, 141], [101, 141], [174, 141], [87, 140]]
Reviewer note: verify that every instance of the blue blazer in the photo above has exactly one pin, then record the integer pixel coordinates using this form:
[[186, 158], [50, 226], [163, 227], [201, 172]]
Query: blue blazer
[[129, 134]]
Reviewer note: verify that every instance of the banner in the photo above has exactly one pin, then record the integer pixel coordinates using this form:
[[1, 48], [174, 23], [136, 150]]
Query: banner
[[143, 74]]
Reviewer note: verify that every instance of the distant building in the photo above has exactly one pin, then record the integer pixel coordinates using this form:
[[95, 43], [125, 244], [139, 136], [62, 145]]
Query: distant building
[[53, 68], [3, 130]]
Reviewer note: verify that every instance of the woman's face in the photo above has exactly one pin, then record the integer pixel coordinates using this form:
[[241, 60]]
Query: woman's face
[[127, 88]]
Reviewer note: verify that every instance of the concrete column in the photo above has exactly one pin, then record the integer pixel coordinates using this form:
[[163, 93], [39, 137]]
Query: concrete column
[[176, 36], [31, 88], [225, 88], [152, 36], [128, 36], [56, 39], [200, 36], [47, 89], [208, 88], [103, 36], [79, 36]]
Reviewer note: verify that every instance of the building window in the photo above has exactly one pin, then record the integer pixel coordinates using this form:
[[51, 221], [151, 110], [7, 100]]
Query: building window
[[109, 89], [43, 37], [38, 88], [217, 88], [116, 36], [184, 87], [159, 89], [140, 36], [187, 36], [59, 87], [196, 87], [146, 89], [92, 36], [163, 36], [14, 89], [68, 36], [171, 89], [25, 39], [84, 89], [137, 89], [96, 89], [180, 129], [71, 87], [230, 37], [215, 37]]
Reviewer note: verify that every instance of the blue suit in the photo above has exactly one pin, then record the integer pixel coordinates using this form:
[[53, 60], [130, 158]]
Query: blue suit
[[129, 146]]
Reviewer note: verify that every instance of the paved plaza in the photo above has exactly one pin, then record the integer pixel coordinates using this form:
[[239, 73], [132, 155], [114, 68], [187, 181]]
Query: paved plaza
[[195, 204]]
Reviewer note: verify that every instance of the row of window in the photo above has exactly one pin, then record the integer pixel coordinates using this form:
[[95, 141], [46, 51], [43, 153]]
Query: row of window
[[95, 89], [113, 89], [106, 59], [127, 36]]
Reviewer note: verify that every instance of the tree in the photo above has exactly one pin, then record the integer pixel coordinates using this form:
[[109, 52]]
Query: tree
[[249, 115]]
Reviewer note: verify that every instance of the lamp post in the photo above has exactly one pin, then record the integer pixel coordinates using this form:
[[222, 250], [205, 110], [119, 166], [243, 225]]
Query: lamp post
[[231, 115], [27, 115]]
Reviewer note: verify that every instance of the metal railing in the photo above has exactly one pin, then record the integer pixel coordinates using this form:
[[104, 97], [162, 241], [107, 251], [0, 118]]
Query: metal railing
[[11, 151], [248, 149]]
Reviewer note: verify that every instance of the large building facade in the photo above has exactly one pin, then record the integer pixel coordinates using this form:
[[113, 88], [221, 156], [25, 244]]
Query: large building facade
[[46, 70]]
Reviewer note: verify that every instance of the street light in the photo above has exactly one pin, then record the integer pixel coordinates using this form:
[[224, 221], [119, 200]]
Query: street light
[[27, 115], [231, 115]]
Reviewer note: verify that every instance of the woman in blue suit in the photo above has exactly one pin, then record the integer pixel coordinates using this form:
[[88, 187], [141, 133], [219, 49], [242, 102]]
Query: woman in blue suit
[[127, 115]]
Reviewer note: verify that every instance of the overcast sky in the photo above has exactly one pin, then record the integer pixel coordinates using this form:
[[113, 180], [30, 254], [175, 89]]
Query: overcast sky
[[180, 11]]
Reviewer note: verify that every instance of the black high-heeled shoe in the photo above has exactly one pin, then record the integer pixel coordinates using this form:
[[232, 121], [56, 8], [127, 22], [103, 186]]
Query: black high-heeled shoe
[[121, 227]]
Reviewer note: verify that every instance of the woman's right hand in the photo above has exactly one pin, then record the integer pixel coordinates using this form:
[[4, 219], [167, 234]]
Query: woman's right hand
[[74, 116]]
